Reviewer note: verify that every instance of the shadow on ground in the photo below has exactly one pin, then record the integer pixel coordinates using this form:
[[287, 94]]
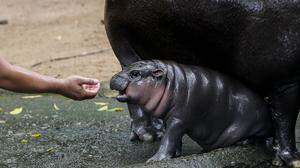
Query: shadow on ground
[[77, 135]]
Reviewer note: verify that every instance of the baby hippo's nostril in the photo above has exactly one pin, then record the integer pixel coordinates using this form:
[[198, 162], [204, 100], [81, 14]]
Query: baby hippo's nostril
[[118, 83]]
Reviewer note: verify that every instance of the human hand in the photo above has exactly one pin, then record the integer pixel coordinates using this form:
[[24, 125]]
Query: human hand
[[79, 88]]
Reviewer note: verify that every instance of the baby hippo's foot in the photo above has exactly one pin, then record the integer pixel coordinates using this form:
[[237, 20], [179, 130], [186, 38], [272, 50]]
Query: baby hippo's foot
[[289, 157], [141, 135], [159, 156], [147, 133], [165, 155]]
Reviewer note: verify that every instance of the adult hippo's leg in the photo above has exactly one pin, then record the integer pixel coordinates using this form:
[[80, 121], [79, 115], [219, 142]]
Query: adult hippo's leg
[[285, 104]]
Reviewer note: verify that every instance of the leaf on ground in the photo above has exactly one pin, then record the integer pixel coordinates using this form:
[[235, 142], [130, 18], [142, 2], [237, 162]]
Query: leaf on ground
[[56, 107], [1, 110], [37, 136], [50, 150], [32, 97], [2, 122], [117, 109], [101, 103], [16, 111], [24, 141], [104, 108]]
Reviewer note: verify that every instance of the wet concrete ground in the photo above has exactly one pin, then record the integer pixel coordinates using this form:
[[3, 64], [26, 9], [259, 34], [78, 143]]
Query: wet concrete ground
[[77, 135]]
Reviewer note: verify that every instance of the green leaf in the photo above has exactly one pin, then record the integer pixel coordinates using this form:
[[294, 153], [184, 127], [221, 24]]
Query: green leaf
[[37, 136]]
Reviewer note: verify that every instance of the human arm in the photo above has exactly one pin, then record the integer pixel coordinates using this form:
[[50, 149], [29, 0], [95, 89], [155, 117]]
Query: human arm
[[18, 79]]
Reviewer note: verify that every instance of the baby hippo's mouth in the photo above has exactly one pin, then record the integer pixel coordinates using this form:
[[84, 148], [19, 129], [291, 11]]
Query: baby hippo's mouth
[[120, 83], [122, 97]]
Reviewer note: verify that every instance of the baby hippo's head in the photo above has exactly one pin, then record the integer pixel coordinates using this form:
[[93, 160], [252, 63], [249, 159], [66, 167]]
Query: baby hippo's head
[[142, 83]]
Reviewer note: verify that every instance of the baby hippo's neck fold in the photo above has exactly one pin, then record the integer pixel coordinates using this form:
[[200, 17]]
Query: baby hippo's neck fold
[[162, 97], [155, 99]]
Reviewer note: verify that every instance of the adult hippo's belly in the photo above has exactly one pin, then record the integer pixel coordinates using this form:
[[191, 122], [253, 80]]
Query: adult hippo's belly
[[256, 42]]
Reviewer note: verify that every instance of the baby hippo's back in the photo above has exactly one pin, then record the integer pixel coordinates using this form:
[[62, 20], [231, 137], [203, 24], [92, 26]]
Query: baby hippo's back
[[223, 110]]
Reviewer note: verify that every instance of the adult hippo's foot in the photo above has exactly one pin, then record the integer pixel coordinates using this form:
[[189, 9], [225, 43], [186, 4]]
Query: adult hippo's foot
[[144, 127], [289, 157], [285, 104]]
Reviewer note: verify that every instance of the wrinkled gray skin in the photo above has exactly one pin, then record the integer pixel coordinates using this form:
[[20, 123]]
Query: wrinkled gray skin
[[254, 41], [214, 110]]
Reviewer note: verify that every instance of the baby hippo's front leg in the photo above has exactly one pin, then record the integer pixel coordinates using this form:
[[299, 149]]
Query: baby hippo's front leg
[[172, 141]]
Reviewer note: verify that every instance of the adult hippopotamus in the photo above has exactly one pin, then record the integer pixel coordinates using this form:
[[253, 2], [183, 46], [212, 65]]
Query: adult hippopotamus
[[254, 41], [193, 100]]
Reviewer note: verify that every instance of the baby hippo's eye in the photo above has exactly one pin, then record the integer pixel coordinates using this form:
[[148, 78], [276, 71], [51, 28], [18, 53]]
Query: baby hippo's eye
[[134, 74]]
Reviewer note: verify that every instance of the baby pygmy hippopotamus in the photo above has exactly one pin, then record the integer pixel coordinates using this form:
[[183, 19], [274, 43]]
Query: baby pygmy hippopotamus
[[212, 109]]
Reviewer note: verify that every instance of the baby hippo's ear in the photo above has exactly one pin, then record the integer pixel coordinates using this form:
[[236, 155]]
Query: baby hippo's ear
[[158, 72]]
